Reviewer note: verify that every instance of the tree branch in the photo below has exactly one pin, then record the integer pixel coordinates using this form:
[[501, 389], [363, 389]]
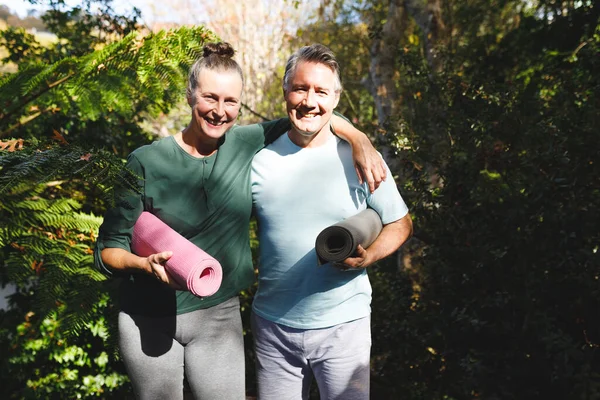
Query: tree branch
[[255, 113]]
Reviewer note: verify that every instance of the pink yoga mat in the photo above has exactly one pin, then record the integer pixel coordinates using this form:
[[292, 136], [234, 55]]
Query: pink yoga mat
[[189, 265]]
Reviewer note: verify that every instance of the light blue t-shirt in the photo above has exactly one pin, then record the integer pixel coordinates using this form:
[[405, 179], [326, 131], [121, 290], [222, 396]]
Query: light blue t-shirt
[[297, 192]]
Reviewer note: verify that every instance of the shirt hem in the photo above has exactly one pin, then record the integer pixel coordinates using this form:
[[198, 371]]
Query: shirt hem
[[324, 325]]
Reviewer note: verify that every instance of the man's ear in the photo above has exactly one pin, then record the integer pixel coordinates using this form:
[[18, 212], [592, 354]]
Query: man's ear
[[337, 99]]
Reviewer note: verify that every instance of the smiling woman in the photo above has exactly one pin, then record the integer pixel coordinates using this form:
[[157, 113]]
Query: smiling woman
[[215, 107], [214, 95], [195, 181]]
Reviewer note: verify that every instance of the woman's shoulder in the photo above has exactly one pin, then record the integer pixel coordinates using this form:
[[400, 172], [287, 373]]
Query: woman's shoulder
[[153, 149]]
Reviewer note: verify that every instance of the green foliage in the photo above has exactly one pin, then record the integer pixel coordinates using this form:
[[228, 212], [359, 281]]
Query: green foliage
[[90, 25], [497, 151], [502, 176], [46, 240], [39, 362], [54, 181], [93, 97], [19, 43]]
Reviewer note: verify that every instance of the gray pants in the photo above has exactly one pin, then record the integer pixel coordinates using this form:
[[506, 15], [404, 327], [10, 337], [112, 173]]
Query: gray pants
[[207, 345], [287, 359]]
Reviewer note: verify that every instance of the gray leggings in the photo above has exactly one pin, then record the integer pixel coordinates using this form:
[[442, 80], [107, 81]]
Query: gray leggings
[[207, 345]]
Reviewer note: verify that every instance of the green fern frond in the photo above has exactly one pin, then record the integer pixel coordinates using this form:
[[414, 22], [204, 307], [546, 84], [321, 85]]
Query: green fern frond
[[118, 76], [49, 188]]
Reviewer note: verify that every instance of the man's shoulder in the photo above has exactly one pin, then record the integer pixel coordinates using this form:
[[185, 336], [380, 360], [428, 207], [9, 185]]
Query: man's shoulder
[[276, 145]]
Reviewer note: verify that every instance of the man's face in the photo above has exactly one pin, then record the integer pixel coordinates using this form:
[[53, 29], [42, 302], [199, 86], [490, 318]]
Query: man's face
[[311, 98]]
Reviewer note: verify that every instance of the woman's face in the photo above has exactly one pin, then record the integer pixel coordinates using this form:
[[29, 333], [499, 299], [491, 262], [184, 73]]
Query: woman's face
[[216, 102]]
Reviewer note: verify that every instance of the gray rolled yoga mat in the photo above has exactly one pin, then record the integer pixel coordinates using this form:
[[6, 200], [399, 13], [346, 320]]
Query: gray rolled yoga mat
[[339, 241]]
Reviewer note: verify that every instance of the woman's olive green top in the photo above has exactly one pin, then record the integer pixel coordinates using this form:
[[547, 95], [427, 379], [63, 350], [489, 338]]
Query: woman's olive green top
[[207, 200]]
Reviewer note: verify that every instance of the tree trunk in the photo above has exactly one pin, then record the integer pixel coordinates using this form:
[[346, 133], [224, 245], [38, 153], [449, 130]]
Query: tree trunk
[[384, 50], [428, 16]]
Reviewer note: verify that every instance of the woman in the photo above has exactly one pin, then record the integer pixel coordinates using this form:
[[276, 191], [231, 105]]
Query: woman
[[197, 182]]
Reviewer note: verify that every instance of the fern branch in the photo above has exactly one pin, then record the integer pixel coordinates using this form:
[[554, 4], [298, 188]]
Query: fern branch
[[25, 121]]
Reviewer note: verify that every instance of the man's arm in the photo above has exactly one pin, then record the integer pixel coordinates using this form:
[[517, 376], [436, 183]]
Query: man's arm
[[367, 161], [392, 236]]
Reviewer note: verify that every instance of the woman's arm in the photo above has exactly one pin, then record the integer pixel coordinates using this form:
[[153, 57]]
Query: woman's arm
[[368, 163], [125, 261], [122, 260], [112, 253]]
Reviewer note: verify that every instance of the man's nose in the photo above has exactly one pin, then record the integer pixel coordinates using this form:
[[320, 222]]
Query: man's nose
[[310, 99]]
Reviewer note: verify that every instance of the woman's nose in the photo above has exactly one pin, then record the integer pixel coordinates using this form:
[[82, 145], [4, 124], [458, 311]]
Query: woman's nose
[[220, 109]]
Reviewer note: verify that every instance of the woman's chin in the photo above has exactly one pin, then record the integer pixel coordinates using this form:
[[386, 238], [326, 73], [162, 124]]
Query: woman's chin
[[215, 131]]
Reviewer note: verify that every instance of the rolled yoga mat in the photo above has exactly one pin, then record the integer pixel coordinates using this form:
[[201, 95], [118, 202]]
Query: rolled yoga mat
[[339, 241], [190, 266]]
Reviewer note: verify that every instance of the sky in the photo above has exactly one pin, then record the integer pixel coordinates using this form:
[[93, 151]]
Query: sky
[[150, 13], [18, 6]]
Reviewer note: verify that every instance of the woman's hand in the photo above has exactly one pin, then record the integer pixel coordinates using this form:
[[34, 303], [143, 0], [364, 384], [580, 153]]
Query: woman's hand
[[368, 163], [154, 264], [157, 268]]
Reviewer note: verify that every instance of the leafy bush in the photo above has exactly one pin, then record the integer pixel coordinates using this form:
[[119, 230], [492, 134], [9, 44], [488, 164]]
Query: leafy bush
[[504, 181]]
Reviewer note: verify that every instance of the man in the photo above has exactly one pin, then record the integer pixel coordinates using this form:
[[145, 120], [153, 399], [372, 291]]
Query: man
[[311, 320]]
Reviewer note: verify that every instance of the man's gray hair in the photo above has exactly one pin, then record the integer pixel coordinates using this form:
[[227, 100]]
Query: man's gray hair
[[316, 53]]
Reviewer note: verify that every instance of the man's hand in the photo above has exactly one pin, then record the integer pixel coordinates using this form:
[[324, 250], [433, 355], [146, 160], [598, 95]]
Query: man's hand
[[392, 236], [353, 263], [157, 268]]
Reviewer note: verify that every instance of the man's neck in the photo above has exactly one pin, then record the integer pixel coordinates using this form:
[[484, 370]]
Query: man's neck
[[316, 140]]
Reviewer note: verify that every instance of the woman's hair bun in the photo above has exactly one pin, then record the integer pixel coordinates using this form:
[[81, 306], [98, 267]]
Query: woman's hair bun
[[221, 49]]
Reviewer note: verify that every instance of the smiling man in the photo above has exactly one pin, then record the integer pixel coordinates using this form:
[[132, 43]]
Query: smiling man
[[310, 320]]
